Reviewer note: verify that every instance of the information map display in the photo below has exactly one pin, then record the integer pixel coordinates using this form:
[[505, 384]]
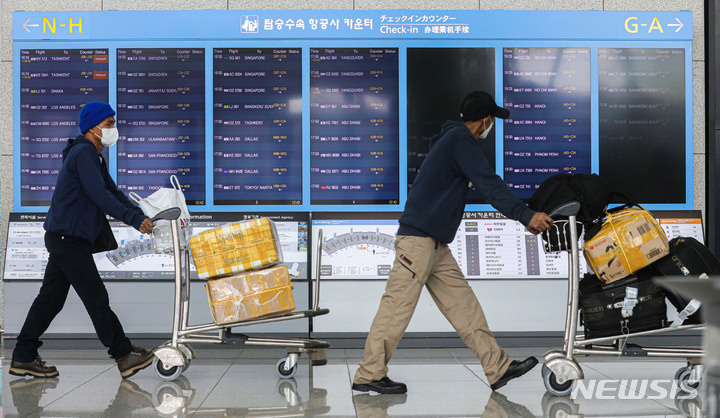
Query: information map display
[[486, 245], [134, 258], [331, 110]]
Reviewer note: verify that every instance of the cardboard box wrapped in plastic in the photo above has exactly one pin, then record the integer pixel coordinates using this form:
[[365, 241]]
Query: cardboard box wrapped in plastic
[[628, 241], [236, 247], [250, 295]]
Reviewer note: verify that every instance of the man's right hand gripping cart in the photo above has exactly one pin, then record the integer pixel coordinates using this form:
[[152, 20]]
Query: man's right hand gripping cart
[[241, 262]]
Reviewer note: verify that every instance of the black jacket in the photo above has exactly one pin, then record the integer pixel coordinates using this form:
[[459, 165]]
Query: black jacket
[[436, 201], [85, 192]]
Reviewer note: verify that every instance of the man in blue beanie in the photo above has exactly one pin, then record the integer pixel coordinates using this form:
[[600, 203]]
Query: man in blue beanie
[[83, 194]]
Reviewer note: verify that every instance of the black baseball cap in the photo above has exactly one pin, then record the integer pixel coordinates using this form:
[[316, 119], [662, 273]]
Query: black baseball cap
[[480, 104]]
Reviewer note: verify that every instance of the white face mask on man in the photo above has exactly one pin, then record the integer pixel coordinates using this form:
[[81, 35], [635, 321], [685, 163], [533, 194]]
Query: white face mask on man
[[109, 136], [485, 133]]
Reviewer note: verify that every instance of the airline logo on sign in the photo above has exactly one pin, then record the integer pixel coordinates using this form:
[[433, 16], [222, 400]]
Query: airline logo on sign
[[249, 24]]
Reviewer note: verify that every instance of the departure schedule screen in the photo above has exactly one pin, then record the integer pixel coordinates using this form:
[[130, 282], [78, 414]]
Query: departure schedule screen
[[335, 110], [257, 126], [642, 122], [354, 138], [547, 91], [54, 85], [161, 118]]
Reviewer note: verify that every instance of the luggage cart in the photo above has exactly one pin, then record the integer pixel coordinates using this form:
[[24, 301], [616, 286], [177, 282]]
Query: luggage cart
[[174, 357], [561, 370]]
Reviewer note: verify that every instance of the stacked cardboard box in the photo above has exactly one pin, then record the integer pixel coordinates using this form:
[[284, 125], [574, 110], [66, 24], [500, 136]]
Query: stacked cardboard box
[[236, 247], [250, 295], [628, 241], [252, 249]]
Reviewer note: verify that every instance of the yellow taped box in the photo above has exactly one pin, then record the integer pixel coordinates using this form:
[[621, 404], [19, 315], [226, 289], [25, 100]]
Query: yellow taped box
[[235, 248], [628, 241], [250, 295]]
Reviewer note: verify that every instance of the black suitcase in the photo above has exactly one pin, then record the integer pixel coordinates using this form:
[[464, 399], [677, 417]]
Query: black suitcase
[[601, 306], [688, 257]]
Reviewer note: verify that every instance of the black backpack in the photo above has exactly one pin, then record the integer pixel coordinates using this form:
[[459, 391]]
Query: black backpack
[[591, 190]]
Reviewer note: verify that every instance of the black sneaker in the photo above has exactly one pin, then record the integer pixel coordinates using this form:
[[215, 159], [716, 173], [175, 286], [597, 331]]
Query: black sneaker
[[137, 359], [384, 386], [516, 369], [35, 368]]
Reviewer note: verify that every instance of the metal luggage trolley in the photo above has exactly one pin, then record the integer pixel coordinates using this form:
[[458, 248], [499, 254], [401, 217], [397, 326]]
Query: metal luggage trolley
[[561, 370], [174, 357]]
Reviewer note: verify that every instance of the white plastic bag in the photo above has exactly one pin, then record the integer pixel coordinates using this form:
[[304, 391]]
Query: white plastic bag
[[160, 200]]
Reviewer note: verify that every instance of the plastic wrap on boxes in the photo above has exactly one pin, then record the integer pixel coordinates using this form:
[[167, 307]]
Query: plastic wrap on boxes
[[234, 287], [250, 295], [236, 247], [628, 241]]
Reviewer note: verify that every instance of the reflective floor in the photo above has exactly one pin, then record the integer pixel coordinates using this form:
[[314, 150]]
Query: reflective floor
[[242, 382]]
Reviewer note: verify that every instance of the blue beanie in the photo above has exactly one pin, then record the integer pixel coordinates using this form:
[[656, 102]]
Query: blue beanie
[[93, 113]]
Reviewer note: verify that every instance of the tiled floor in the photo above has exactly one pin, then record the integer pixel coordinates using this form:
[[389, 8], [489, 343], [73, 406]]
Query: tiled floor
[[242, 382]]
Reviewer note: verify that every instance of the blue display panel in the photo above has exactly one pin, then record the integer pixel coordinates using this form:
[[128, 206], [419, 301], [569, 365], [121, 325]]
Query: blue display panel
[[257, 126], [161, 118], [429, 61], [437, 80], [354, 147], [642, 116], [54, 85], [547, 91]]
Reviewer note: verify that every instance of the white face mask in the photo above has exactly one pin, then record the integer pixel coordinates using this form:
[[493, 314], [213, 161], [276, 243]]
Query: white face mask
[[486, 131], [109, 136]]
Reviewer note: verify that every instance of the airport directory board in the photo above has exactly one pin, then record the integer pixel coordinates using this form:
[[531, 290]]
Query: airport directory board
[[317, 110], [320, 112]]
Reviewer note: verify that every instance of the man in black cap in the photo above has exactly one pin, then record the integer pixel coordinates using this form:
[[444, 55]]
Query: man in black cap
[[433, 212], [83, 194]]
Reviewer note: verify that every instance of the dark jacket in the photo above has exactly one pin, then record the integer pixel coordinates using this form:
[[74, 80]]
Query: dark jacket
[[436, 201], [85, 192]]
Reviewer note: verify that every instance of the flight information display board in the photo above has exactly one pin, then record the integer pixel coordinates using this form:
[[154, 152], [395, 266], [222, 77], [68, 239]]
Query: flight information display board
[[354, 142], [257, 126], [334, 110], [134, 258], [641, 116], [161, 118], [54, 85], [547, 91]]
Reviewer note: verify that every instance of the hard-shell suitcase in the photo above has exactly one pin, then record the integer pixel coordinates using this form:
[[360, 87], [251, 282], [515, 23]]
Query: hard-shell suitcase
[[688, 257], [610, 309]]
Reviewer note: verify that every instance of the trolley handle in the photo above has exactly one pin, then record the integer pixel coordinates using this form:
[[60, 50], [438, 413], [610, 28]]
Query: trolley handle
[[566, 209], [317, 270], [170, 214]]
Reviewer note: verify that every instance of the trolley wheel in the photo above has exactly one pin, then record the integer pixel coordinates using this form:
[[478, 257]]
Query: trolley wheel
[[287, 388], [558, 407], [167, 374], [680, 371], [689, 407], [169, 398], [281, 372], [545, 370], [555, 388], [684, 384]]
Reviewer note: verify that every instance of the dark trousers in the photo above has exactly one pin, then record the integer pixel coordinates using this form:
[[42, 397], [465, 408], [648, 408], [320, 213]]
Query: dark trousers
[[71, 264]]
